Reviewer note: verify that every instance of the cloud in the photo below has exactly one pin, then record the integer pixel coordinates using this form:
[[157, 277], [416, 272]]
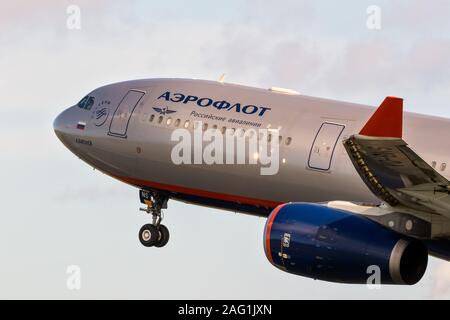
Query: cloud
[[27, 16], [90, 193], [363, 66], [273, 17], [417, 16], [441, 285]]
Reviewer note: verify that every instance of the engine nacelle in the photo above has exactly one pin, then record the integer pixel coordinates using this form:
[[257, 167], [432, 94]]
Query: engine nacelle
[[328, 244]]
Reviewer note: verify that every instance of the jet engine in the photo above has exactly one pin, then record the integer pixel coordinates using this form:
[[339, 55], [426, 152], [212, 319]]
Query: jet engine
[[324, 243]]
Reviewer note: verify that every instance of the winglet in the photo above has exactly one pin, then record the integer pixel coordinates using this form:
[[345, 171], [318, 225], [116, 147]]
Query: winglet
[[387, 121]]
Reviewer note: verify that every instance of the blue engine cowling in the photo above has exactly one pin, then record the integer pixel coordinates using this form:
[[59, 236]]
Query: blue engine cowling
[[328, 244]]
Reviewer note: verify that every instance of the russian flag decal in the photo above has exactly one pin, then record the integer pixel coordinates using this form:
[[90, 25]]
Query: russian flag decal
[[81, 125]]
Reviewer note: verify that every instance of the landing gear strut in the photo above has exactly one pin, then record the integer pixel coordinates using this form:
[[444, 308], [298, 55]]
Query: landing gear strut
[[154, 234]]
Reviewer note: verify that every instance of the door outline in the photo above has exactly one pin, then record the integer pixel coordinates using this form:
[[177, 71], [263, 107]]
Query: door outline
[[334, 147], [124, 135]]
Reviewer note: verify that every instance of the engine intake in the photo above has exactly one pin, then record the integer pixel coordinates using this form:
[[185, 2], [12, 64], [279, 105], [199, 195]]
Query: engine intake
[[333, 245]]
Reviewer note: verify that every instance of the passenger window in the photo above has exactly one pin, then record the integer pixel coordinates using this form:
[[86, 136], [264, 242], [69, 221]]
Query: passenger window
[[223, 130], [288, 141], [186, 124], [280, 138], [169, 121], [160, 119], [177, 122], [434, 164], [205, 126], [144, 117], [214, 127], [443, 166], [152, 117]]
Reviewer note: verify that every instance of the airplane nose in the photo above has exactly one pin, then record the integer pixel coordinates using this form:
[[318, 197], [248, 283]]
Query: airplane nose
[[59, 124], [62, 124]]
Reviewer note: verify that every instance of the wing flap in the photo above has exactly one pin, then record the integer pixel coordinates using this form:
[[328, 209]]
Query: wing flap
[[392, 170], [434, 199], [396, 174]]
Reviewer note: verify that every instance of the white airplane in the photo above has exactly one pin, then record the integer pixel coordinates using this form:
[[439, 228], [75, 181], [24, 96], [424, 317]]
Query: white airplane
[[347, 198]]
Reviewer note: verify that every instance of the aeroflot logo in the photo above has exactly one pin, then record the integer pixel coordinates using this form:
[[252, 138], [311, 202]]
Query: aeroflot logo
[[101, 113], [220, 105], [100, 116], [212, 147]]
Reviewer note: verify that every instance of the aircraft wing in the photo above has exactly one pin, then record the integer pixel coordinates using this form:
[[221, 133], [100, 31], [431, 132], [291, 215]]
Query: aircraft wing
[[391, 169]]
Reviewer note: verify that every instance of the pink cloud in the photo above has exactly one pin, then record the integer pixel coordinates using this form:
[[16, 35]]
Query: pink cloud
[[417, 15], [441, 286]]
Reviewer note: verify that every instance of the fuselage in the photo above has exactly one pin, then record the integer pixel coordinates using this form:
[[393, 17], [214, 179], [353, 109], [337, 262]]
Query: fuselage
[[125, 130]]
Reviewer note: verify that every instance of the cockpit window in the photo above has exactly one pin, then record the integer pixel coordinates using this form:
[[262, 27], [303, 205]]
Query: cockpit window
[[90, 103], [82, 102], [86, 103]]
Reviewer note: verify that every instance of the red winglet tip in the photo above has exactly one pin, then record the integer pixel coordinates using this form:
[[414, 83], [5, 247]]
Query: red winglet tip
[[387, 121]]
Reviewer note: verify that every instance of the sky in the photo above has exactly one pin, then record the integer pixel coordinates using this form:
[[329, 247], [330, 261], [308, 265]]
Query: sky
[[58, 212]]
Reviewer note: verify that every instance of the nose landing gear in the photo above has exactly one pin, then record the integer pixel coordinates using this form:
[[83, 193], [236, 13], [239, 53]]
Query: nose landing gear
[[154, 234]]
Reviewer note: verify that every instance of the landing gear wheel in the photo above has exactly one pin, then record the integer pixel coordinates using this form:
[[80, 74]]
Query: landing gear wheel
[[154, 234], [163, 236], [149, 235]]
